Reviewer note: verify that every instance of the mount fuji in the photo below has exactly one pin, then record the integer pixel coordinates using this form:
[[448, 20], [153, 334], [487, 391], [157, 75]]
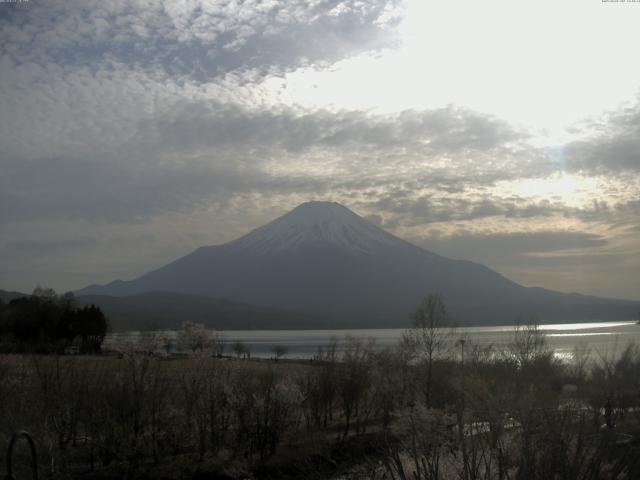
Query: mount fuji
[[324, 261]]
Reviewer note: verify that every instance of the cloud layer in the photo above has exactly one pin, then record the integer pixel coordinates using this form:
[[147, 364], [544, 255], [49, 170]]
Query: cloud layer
[[132, 123]]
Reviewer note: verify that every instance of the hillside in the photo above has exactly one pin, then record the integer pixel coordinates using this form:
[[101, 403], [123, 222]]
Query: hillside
[[165, 310], [7, 296]]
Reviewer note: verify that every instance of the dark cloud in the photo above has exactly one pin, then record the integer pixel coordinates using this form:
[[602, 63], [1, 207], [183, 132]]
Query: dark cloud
[[198, 153], [612, 145], [409, 211], [445, 131], [112, 191], [398, 207], [200, 39], [474, 245], [411, 168]]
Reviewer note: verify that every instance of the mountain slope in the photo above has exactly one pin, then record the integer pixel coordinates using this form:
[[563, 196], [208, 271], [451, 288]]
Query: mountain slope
[[7, 296], [322, 258], [163, 310]]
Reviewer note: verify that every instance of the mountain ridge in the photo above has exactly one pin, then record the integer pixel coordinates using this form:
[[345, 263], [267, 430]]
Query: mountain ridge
[[323, 259]]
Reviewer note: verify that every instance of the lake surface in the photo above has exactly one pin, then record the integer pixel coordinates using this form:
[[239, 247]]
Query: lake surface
[[602, 339]]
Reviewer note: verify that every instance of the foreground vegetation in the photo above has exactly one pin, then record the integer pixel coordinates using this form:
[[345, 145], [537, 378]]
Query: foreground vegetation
[[433, 408]]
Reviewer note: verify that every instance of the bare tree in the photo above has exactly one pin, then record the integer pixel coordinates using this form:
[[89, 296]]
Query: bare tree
[[328, 379], [578, 368], [192, 387], [355, 379], [240, 349], [216, 402], [218, 344], [279, 351], [418, 445], [193, 337], [614, 383], [529, 343], [431, 334]]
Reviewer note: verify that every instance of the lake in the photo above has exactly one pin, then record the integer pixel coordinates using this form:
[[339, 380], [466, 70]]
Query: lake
[[605, 338]]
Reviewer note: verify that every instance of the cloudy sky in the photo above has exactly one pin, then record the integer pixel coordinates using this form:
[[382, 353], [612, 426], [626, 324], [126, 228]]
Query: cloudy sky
[[132, 132]]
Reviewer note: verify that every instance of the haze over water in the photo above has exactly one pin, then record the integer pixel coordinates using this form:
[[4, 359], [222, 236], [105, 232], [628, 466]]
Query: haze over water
[[601, 338]]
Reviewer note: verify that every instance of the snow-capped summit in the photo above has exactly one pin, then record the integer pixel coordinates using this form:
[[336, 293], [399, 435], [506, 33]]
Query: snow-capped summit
[[318, 224], [324, 260]]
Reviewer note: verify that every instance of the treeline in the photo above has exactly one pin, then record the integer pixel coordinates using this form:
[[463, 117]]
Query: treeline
[[46, 322]]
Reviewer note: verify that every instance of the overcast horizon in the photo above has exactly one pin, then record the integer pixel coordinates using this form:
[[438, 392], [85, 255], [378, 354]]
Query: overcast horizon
[[134, 132]]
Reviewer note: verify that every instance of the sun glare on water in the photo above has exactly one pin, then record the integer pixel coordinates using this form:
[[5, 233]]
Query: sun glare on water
[[583, 326]]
